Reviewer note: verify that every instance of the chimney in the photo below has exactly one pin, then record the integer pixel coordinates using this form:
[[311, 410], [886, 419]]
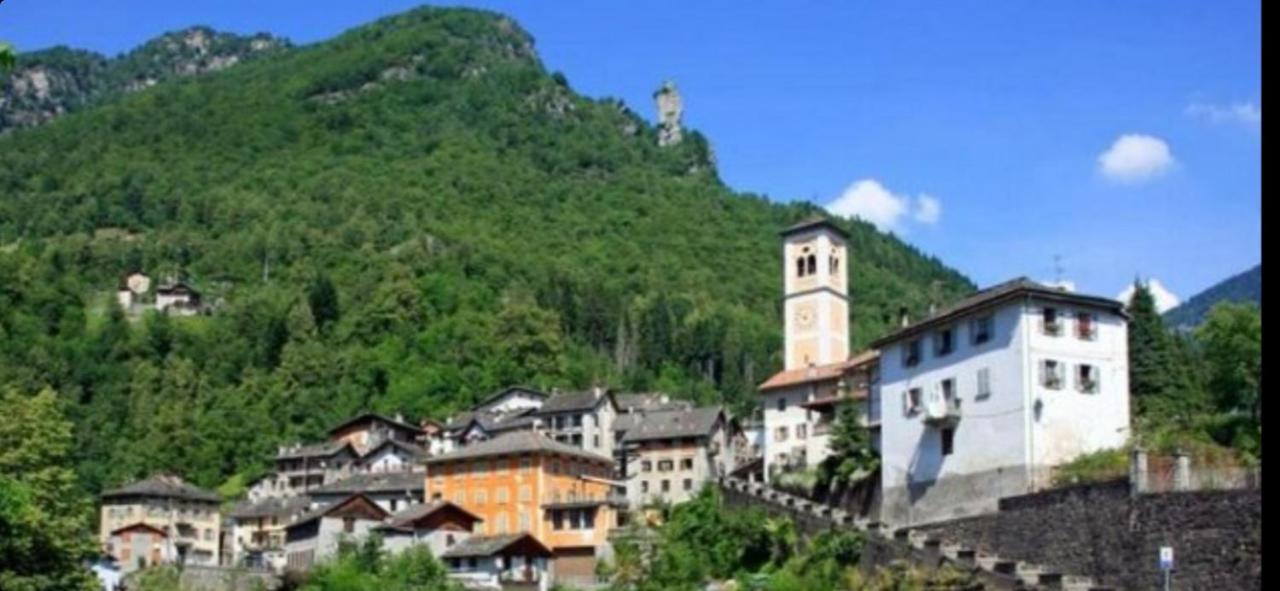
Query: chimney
[[597, 391], [904, 318], [933, 308], [399, 418]]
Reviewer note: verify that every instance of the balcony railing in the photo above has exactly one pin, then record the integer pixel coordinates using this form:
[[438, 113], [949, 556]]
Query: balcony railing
[[942, 411]]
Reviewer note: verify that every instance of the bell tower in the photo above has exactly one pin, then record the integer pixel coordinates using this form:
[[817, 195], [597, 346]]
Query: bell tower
[[815, 293]]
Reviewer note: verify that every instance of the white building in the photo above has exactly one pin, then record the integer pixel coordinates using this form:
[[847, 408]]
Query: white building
[[980, 400], [438, 525], [509, 561], [799, 402]]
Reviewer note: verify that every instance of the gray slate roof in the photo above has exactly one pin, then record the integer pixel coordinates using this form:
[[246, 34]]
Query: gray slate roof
[[163, 486], [815, 221], [516, 442], [277, 507], [996, 294], [649, 401], [373, 416], [313, 450], [372, 482], [509, 389], [405, 517], [573, 402], [671, 424], [414, 451], [487, 545]]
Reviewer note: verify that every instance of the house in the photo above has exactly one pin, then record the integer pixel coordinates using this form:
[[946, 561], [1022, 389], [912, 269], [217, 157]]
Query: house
[[439, 525], [186, 517], [131, 290], [392, 455], [649, 401], [508, 561], [177, 299], [525, 482], [258, 530], [581, 419], [669, 454], [482, 425], [433, 437], [368, 430], [301, 468], [982, 399], [393, 491], [314, 537], [818, 372], [513, 399]]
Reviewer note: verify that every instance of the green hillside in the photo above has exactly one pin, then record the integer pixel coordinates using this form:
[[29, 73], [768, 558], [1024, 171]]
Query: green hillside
[[1239, 288], [404, 218]]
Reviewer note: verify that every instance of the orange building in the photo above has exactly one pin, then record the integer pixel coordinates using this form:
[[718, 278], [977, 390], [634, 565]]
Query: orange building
[[525, 482]]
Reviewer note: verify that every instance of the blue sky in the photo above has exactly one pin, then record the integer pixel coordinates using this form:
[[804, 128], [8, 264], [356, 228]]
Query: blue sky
[[1123, 137]]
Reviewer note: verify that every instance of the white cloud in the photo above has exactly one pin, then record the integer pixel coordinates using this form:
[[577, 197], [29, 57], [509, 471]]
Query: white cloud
[[1134, 158], [1165, 300], [871, 201], [928, 209], [1246, 113]]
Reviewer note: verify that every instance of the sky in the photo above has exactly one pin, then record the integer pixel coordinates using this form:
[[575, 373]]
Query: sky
[[1089, 142]]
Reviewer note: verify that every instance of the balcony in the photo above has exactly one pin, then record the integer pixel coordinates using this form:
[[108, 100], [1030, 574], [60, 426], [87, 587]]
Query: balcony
[[942, 411]]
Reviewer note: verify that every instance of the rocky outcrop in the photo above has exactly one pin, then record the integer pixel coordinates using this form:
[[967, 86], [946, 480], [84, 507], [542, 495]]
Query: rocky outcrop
[[46, 84], [670, 112]]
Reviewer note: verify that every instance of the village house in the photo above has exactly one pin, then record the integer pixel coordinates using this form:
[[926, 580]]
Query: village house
[[301, 468], [525, 482], [314, 536], [668, 455], [581, 419], [392, 491], [509, 561], [982, 399], [438, 525], [368, 430], [160, 519], [511, 409], [258, 530], [177, 299]]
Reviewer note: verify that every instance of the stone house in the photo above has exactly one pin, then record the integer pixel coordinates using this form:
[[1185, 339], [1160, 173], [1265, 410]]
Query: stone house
[[439, 525], [314, 536], [668, 455], [188, 517], [258, 530]]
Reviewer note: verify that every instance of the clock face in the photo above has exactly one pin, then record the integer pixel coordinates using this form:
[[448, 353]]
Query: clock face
[[804, 318]]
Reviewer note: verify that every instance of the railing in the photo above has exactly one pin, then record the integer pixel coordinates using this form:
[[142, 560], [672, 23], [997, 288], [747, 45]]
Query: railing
[[942, 410]]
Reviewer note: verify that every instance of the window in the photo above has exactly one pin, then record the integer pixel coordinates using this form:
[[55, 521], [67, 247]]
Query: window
[[501, 524], [665, 465], [459, 497], [800, 267], [524, 521], [577, 420], [481, 497], [557, 519], [911, 353], [666, 486], [782, 403], [646, 465], [802, 431], [688, 484], [984, 383], [526, 493], [780, 434], [833, 264], [812, 264], [595, 441], [944, 342], [1052, 326], [1051, 374], [911, 400], [503, 495], [948, 436], [644, 486], [348, 524], [948, 387], [1086, 328], [686, 464], [1087, 378], [449, 540], [981, 329]]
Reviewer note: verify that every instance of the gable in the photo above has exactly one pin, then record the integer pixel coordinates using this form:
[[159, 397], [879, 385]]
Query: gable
[[358, 507]]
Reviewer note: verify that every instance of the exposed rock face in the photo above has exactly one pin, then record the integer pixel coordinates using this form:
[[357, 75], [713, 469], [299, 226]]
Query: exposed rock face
[[670, 111], [48, 83]]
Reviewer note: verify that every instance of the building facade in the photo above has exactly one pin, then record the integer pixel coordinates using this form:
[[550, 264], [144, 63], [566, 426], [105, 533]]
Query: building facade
[[258, 530], [581, 419], [668, 455], [187, 516], [982, 400], [314, 536]]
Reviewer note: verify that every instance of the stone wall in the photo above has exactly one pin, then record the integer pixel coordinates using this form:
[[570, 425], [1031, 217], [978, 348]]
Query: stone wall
[[1105, 532]]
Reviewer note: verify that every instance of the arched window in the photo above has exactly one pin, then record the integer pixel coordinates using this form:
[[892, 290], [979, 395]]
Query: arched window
[[800, 267], [813, 264], [834, 265]]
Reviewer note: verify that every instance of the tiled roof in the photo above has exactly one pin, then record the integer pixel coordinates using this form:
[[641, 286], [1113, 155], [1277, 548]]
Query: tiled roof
[[277, 507], [369, 482], [818, 373], [477, 546], [163, 486], [515, 443], [669, 424], [573, 401], [1002, 292]]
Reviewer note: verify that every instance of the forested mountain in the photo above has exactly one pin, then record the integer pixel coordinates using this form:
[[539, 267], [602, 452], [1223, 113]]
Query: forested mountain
[[404, 218], [1244, 287], [52, 82]]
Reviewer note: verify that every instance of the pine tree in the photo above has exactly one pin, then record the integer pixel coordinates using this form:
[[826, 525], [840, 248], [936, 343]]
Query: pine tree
[[1161, 380]]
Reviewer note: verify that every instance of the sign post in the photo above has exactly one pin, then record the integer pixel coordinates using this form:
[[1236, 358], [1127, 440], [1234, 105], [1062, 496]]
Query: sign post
[[1166, 564]]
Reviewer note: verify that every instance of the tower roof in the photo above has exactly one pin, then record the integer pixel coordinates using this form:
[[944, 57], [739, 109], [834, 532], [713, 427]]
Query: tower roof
[[813, 223]]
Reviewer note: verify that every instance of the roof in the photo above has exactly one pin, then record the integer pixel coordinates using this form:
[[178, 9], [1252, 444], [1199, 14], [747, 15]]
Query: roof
[[405, 518], [517, 442], [164, 486], [324, 449], [509, 390], [491, 422], [670, 424], [373, 416], [327, 509], [998, 294], [575, 401], [414, 451], [176, 287], [813, 223], [649, 401], [140, 525], [372, 482], [490, 545], [277, 507], [818, 373]]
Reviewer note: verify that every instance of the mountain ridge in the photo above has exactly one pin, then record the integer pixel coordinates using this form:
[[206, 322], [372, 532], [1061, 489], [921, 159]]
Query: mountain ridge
[[1245, 286]]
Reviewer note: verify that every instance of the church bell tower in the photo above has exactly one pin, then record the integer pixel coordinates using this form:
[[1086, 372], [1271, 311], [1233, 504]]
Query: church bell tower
[[816, 294]]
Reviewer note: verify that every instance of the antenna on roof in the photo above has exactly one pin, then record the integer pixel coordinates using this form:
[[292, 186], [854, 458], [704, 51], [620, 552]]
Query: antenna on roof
[[1057, 269]]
